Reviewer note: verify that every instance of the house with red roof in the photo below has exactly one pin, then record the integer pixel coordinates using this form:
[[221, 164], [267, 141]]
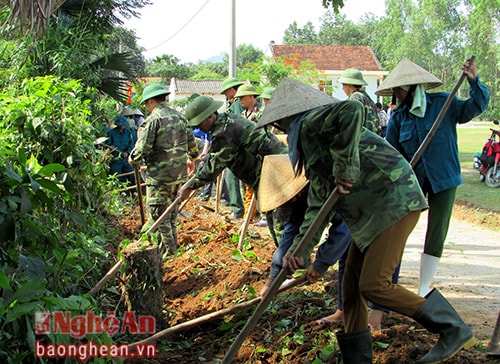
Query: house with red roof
[[331, 61]]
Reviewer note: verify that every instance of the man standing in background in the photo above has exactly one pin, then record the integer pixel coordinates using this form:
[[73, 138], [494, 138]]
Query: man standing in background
[[164, 142]]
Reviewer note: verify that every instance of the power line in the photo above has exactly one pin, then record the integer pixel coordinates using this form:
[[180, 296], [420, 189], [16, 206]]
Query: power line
[[181, 28]]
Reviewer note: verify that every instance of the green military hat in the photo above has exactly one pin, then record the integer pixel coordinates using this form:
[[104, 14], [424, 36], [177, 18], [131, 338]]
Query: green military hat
[[267, 93], [201, 108], [153, 90], [230, 82], [352, 76], [246, 90]]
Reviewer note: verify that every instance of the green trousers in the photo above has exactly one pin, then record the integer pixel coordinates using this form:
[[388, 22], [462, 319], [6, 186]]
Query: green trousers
[[438, 221], [234, 191]]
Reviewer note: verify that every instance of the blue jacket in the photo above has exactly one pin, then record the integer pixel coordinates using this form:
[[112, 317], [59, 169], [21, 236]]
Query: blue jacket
[[439, 161], [122, 141], [198, 133]]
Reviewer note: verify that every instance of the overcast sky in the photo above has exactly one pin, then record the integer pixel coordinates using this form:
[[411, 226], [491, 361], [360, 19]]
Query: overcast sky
[[194, 30]]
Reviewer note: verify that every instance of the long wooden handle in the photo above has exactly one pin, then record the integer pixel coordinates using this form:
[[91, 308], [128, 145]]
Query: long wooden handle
[[213, 315], [274, 287], [139, 193], [244, 227]]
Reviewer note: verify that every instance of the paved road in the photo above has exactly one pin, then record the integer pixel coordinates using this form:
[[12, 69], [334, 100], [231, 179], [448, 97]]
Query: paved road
[[468, 273]]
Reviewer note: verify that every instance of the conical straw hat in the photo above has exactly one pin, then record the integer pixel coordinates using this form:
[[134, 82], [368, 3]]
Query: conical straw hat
[[278, 183], [292, 97], [407, 73]]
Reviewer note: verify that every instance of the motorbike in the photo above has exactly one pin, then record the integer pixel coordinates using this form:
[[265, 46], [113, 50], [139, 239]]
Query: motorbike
[[488, 161]]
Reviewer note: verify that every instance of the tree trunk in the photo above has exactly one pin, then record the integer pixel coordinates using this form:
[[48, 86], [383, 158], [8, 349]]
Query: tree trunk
[[141, 280]]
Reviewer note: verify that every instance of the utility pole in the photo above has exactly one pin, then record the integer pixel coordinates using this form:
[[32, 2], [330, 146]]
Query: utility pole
[[232, 40]]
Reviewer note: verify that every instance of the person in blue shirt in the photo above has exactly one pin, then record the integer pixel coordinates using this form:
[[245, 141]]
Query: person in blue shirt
[[438, 170], [120, 137], [205, 139]]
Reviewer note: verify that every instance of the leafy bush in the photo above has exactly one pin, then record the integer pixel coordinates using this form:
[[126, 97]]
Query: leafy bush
[[52, 207]]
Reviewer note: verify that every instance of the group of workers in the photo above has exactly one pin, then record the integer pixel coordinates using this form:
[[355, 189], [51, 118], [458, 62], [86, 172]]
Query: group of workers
[[331, 147]]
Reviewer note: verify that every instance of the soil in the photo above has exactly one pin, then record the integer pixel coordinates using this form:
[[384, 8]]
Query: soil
[[208, 273]]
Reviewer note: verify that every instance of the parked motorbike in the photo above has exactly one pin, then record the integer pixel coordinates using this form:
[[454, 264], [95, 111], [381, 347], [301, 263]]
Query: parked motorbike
[[488, 161]]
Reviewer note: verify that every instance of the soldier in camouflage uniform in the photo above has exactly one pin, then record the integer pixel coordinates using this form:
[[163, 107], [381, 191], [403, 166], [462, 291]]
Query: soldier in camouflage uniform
[[229, 88], [380, 200], [165, 142], [236, 145], [352, 80], [247, 95]]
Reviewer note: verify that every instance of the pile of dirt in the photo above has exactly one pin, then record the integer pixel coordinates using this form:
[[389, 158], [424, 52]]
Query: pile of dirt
[[209, 273]]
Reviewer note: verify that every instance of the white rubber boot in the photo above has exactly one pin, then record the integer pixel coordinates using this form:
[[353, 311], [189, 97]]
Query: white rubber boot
[[428, 268]]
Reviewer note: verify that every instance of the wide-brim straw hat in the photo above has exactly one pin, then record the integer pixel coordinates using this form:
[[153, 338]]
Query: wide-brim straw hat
[[278, 183], [127, 112], [292, 97], [138, 112], [407, 73]]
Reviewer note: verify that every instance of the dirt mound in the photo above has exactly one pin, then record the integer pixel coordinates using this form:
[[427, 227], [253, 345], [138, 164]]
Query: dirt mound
[[209, 273]]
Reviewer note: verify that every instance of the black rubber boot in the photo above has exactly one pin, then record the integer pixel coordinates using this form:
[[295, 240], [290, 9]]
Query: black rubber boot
[[355, 347], [439, 317]]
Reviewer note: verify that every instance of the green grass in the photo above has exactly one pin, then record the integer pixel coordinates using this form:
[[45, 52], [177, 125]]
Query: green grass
[[473, 194]]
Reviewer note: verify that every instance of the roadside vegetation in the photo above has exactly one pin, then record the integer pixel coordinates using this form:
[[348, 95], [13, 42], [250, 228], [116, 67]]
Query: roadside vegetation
[[66, 75]]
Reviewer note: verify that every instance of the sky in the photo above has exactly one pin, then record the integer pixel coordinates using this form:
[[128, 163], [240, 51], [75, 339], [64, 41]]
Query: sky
[[194, 30]]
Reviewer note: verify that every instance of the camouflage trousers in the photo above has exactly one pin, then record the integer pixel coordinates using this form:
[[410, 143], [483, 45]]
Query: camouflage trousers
[[159, 198]]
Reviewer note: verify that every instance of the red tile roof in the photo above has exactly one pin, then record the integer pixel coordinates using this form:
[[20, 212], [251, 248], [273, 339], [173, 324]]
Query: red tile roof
[[333, 58]]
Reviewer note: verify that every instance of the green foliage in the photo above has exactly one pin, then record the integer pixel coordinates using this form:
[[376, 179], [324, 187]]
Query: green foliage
[[81, 42], [296, 35], [273, 70], [53, 194], [245, 53], [168, 66]]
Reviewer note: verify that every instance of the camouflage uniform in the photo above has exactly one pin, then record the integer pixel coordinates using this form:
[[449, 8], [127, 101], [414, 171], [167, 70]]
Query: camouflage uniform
[[372, 120], [254, 114], [164, 141], [233, 183], [239, 146], [333, 145], [235, 107]]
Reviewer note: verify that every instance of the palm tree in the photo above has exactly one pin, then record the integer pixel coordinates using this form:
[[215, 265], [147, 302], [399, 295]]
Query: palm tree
[[79, 39]]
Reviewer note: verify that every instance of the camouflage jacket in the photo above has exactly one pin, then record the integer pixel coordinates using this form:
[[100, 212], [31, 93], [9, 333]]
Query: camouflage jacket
[[334, 144], [371, 118], [239, 146], [165, 142]]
